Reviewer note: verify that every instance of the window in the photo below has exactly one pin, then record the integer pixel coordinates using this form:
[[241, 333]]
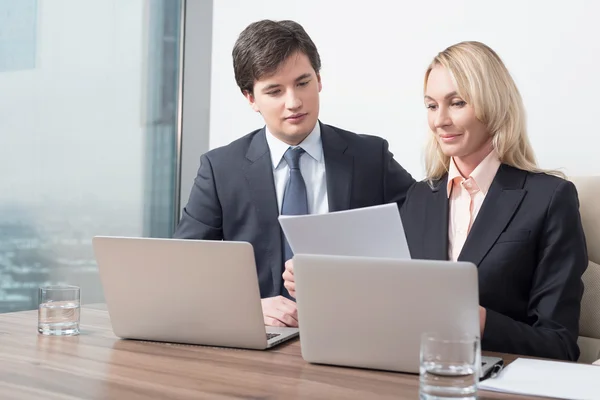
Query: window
[[88, 134]]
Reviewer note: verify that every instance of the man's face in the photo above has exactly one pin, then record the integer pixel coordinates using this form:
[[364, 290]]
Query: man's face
[[288, 100]]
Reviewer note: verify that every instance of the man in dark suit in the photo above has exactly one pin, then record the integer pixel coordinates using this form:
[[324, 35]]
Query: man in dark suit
[[294, 165]]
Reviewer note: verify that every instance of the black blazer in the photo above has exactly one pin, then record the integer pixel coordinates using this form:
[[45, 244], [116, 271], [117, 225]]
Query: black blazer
[[528, 244], [234, 198]]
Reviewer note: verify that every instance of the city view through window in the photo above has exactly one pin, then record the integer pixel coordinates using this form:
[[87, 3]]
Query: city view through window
[[88, 107]]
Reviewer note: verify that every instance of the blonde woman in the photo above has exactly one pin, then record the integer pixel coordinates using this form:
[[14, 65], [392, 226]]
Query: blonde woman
[[486, 201]]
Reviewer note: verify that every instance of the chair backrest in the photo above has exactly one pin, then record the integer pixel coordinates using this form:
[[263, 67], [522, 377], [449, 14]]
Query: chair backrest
[[588, 188]]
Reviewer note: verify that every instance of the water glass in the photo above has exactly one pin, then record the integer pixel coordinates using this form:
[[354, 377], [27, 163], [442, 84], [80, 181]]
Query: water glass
[[58, 313], [450, 366]]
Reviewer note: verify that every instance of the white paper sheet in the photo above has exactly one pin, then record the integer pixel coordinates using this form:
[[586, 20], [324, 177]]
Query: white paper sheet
[[560, 380], [363, 232]]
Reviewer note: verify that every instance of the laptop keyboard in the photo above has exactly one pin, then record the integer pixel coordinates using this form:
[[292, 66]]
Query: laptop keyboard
[[272, 335]]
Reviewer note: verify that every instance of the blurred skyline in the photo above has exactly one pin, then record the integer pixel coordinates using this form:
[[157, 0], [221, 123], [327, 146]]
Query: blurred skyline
[[87, 136]]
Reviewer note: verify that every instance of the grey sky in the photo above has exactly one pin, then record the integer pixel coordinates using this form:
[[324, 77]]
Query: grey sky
[[72, 127]]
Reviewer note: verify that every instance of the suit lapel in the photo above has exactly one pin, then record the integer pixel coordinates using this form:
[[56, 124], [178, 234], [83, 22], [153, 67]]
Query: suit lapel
[[435, 236], [259, 175], [500, 204], [339, 169]]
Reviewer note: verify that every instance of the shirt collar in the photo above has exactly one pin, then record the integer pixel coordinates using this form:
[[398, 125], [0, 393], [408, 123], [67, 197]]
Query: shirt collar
[[483, 174], [312, 144]]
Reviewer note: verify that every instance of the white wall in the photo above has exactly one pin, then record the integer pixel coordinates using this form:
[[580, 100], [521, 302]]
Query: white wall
[[374, 55]]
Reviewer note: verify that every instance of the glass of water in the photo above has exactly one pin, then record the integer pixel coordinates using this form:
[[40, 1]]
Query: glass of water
[[58, 313], [450, 366]]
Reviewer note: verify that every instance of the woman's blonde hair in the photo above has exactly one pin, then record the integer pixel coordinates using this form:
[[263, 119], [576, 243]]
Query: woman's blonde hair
[[482, 80]]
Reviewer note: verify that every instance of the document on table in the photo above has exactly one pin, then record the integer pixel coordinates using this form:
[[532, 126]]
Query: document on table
[[363, 232], [559, 380]]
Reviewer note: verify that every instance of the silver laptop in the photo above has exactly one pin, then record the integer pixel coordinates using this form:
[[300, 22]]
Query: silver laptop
[[184, 291], [371, 312]]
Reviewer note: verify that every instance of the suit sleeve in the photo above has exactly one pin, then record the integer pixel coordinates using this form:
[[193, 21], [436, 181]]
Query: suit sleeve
[[396, 180], [556, 292], [202, 216]]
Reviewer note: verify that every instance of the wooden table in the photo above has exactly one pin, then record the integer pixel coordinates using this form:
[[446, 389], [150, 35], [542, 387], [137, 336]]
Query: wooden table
[[98, 365]]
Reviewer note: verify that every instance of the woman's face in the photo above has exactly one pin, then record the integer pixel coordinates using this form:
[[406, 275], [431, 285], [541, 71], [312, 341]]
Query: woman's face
[[453, 121]]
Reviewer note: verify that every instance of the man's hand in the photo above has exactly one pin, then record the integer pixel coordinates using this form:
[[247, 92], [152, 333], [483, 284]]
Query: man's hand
[[279, 311], [288, 278]]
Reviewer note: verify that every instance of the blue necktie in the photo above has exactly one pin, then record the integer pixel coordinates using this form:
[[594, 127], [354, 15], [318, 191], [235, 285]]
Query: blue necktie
[[294, 196]]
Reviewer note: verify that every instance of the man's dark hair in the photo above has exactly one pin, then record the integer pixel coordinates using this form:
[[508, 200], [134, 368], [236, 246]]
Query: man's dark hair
[[264, 45]]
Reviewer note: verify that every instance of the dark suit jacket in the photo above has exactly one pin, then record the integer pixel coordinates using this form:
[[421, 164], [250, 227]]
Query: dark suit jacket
[[528, 244], [233, 197]]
